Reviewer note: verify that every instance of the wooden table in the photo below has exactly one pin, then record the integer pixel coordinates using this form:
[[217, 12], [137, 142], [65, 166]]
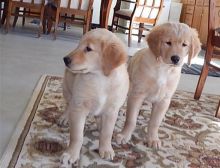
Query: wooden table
[[104, 13]]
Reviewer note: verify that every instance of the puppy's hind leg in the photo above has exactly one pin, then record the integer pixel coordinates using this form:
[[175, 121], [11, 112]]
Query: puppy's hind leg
[[133, 106], [158, 112]]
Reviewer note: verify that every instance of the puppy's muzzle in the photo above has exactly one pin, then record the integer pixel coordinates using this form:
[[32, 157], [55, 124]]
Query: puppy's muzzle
[[67, 61], [175, 59]]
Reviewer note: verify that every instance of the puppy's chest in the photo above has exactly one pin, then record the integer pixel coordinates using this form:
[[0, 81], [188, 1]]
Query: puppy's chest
[[90, 93], [158, 88]]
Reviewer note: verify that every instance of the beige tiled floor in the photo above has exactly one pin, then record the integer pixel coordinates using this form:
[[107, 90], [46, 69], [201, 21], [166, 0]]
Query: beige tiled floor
[[24, 58]]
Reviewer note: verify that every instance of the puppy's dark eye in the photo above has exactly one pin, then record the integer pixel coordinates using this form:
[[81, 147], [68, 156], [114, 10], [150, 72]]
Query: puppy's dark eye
[[88, 49], [169, 43], [184, 44]]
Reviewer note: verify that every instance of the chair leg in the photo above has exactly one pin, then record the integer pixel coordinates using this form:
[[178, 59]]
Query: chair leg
[[129, 34], [87, 26], [8, 17], [45, 19], [205, 70], [41, 22], [116, 24], [88, 22], [140, 32], [217, 114], [64, 23], [201, 81], [56, 23], [16, 16], [23, 18], [4, 13], [112, 26], [90, 25]]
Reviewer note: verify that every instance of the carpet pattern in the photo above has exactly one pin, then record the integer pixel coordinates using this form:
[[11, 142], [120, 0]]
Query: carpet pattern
[[190, 135]]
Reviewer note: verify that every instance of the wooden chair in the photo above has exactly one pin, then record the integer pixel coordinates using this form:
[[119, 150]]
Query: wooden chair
[[29, 8], [22, 12], [3, 11], [76, 12], [212, 52], [143, 12]]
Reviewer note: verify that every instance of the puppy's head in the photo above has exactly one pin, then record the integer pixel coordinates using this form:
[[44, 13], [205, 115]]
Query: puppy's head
[[98, 51], [172, 42]]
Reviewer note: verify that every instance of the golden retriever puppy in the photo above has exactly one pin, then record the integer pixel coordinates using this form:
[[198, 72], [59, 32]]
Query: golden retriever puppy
[[96, 82], [154, 74]]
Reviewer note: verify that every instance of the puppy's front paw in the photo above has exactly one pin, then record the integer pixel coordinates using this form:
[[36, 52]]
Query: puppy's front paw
[[106, 152], [68, 161], [154, 143], [122, 138], [63, 121]]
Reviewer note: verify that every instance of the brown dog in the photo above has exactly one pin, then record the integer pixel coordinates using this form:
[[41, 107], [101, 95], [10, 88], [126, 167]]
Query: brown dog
[[50, 10], [154, 74]]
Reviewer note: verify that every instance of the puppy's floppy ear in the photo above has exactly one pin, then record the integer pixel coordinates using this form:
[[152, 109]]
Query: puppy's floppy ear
[[114, 54], [195, 45], [153, 40]]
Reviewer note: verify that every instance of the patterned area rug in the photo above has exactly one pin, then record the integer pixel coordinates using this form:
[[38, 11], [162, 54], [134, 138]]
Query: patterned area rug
[[196, 69], [190, 134]]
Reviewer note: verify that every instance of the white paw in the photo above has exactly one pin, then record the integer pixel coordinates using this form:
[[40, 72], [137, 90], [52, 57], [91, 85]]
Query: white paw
[[122, 138], [63, 121], [154, 143], [106, 153], [68, 161]]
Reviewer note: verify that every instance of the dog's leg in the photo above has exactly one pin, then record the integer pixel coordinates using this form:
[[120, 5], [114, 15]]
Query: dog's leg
[[108, 120], [98, 122], [134, 104], [158, 112], [77, 122], [63, 121], [67, 94]]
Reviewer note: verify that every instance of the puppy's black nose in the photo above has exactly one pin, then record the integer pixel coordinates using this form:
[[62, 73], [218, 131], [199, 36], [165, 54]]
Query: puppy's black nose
[[67, 61], [175, 59]]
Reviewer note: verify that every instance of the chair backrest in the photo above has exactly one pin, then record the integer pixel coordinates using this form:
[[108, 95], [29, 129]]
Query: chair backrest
[[121, 4], [213, 34], [148, 11], [31, 1], [76, 4]]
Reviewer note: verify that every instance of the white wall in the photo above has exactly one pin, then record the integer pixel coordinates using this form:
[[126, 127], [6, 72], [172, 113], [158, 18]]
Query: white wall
[[175, 11], [164, 15]]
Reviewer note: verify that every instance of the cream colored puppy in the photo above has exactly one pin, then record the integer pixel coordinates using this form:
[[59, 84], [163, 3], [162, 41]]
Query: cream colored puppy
[[95, 82], [154, 74]]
